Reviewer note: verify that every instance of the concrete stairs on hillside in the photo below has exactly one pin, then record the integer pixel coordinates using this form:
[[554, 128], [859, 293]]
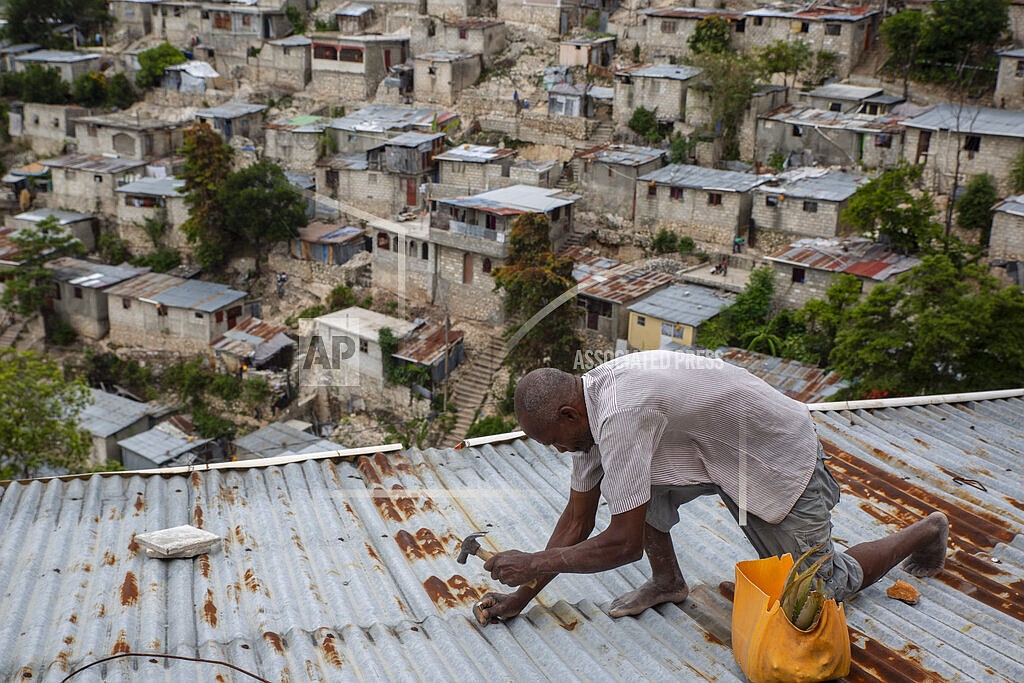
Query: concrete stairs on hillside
[[602, 135], [474, 383], [10, 334]]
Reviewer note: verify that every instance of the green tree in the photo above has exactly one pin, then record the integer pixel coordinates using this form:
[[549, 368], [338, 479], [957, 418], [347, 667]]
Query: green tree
[[885, 208], [491, 425], [785, 57], [39, 422], [533, 277], [29, 283], [664, 241], [903, 34], [296, 18], [32, 21], [680, 148], [645, 122], [936, 330], [746, 317], [120, 93], [963, 32], [823, 318], [729, 80], [207, 167], [261, 207], [90, 90], [974, 207], [37, 84], [711, 36], [821, 68], [153, 61]]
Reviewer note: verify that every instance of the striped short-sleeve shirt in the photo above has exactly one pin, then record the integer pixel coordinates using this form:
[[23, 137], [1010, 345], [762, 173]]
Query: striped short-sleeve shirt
[[666, 418]]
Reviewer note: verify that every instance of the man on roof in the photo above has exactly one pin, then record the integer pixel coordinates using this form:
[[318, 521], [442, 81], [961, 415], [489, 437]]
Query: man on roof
[[652, 431]]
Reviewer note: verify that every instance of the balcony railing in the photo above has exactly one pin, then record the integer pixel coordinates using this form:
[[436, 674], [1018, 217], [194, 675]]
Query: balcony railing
[[460, 228]]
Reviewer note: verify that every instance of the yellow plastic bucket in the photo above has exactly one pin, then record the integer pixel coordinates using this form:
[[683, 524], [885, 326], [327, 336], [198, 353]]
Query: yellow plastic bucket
[[765, 643]]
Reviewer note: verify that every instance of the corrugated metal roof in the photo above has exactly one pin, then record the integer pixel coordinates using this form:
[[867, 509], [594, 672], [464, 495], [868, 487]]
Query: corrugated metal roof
[[822, 118], [196, 69], [346, 162], [335, 570], [309, 121], [854, 255], [695, 13], [329, 233], [815, 12], [677, 73], [622, 283], [413, 139], [108, 414], [231, 110], [426, 344], [687, 175], [18, 48], [167, 186], [814, 183], [517, 198], [474, 22], [684, 304], [967, 119], [88, 274], [599, 40], [162, 444], [477, 154], [144, 286], [63, 217], [845, 91], [352, 9], [378, 118], [626, 155], [445, 56], [804, 382], [1012, 205], [93, 163], [198, 295], [292, 41], [56, 57], [278, 438], [247, 336], [1018, 53]]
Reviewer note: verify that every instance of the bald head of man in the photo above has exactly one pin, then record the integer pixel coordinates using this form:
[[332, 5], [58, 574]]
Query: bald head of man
[[551, 410]]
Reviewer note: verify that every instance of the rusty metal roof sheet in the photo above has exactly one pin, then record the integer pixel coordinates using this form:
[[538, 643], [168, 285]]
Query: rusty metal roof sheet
[[855, 255], [329, 233], [426, 344], [804, 382], [626, 155], [249, 335], [144, 286], [336, 570], [622, 283]]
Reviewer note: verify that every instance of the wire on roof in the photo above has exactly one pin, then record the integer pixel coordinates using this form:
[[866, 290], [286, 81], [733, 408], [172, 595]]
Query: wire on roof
[[165, 656]]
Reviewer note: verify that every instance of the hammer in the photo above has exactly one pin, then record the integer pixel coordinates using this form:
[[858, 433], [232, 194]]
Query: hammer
[[471, 546]]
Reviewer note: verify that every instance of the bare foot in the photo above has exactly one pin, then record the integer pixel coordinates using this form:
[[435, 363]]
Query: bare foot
[[931, 558], [647, 595]]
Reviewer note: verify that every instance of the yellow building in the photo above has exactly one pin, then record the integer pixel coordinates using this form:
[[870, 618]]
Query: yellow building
[[670, 317]]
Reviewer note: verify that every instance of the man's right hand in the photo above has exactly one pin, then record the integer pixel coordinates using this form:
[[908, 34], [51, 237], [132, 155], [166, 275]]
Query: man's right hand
[[494, 607]]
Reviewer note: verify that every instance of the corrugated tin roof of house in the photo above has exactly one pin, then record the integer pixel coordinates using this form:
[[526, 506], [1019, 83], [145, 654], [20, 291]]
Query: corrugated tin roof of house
[[329, 233], [143, 117], [93, 163], [346, 162], [1018, 53], [478, 154], [107, 413], [854, 255], [278, 438], [596, 40], [301, 121], [822, 118], [195, 68], [161, 444], [18, 48], [677, 73], [144, 286], [822, 185], [63, 217], [231, 110], [168, 186], [379, 118], [474, 22], [684, 304], [699, 177], [427, 344], [1012, 205], [198, 295], [352, 9], [245, 337], [413, 139], [332, 568], [977, 120], [571, 89], [56, 57], [622, 283], [691, 13], [625, 155], [804, 382], [845, 91], [303, 181], [815, 12], [83, 273], [516, 199]]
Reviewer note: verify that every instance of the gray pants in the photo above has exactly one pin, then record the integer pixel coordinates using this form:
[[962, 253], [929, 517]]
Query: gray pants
[[807, 524]]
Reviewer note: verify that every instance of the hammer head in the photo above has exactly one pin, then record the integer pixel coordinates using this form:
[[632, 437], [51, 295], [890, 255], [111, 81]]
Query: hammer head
[[469, 546]]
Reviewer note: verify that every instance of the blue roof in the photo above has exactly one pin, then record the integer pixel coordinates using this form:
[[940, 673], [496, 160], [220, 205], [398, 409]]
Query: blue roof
[[683, 304], [198, 295], [108, 414]]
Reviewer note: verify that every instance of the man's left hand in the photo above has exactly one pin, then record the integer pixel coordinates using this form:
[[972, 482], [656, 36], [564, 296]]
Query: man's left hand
[[513, 567]]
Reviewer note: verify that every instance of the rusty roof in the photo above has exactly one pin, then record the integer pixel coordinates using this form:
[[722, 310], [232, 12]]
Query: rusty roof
[[623, 284], [144, 286], [426, 344], [244, 338], [804, 382], [336, 568], [855, 255]]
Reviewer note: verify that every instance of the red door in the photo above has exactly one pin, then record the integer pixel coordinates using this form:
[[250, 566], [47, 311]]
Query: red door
[[387, 59], [410, 192]]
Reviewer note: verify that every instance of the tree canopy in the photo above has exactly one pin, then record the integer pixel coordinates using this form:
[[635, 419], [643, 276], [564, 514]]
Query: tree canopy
[[533, 277], [746, 317], [207, 167], [886, 208], [39, 423], [938, 329], [730, 80], [29, 282], [710, 36], [261, 207], [903, 33], [33, 21], [974, 207], [153, 61]]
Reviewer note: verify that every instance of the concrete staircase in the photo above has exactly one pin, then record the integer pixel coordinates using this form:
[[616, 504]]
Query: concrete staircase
[[603, 134], [473, 384], [10, 334]]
